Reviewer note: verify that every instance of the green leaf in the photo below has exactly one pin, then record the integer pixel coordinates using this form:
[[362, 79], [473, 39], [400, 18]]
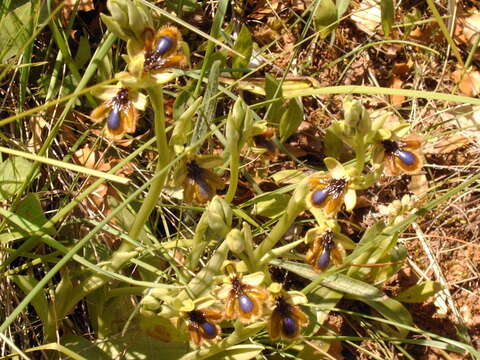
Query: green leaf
[[333, 144], [351, 286], [200, 284], [39, 302], [244, 46], [342, 6], [160, 328], [180, 103], [375, 244], [184, 124], [392, 310], [126, 217], [275, 109], [290, 176], [397, 256], [388, 15], [14, 32], [291, 119], [239, 352], [325, 300], [13, 172], [83, 347], [337, 282], [420, 292], [209, 104], [84, 54], [135, 345], [325, 18], [31, 209], [240, 334], [273, 206]]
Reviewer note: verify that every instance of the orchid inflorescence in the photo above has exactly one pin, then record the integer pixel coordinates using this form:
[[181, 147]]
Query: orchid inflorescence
[[150, 55], [393, 154], [244, 298]]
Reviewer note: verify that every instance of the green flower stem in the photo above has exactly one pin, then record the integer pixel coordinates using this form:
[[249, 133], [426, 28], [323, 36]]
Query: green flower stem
[[234, 169], [247, 234], [295, 206], [126, 250], [199, 242], [156, 99], [275, 253], [239, 335], [359, 154]]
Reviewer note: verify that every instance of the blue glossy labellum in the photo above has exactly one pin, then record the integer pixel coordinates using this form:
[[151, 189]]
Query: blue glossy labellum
[[319, 196], [113, 120], [324, 259], [246, 305], [204, 189], [210, 329], [289, 326], [164, 44], [406, 157]]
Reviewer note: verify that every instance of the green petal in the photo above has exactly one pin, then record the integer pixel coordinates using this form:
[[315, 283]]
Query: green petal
[[187, 306], [350, 199], [296, 297], [106, 92], [138, 99], [254, 279], [275, 288], [223, 291], [204, 302], [209, 161], [378, 154], [335, 169], [164, 77], [344, 241]]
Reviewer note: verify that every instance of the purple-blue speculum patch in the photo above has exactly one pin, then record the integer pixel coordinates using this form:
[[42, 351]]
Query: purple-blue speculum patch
[[324, 259], [113, 120], [328, 244], [164, 44], [246, 304], [289, 326], [319, 196], [210, 329], [394, 148], [406, 157]]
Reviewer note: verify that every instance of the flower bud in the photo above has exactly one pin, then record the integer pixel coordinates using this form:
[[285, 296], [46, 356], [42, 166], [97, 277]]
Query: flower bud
[[128, 19], [234, 127], [150, 303], [235, 241], [219, 216], [356, 117]]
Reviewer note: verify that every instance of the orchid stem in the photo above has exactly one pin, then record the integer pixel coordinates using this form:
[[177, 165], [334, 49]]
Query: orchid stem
[[126, 250], [234, 167], [295, 206], [156, 99]]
